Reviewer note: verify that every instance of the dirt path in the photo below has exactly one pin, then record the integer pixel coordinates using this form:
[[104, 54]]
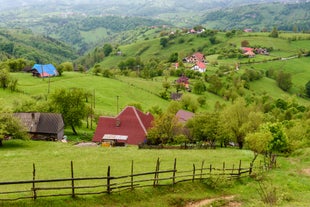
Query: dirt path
[[211, 200]]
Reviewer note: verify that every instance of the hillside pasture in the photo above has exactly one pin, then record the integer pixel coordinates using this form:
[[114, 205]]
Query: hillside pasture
[[106, 90], [287, 184]]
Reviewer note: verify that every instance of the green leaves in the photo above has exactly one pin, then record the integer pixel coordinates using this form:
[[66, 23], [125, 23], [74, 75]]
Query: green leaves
[[71, 104]]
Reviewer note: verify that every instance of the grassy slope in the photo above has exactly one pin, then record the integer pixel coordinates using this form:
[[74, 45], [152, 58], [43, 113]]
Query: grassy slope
[[282, 47], [106, 90], [288, 182]]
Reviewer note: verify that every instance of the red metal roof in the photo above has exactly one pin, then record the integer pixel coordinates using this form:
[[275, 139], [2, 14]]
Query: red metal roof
[[199, 56], [132, 123], [201, 65]]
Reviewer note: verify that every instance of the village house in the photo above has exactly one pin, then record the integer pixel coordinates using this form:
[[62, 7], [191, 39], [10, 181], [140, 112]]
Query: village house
[[129, 127], [184, 81], [198, 59], [200, 67], [44, 70], [42, 126], [248, 51], [194, 58], [251, 52]]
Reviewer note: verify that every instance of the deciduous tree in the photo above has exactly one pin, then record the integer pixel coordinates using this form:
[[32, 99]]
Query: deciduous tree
[[165, 129], [71, 104], [237, 120], [11, 126], [284, 81]]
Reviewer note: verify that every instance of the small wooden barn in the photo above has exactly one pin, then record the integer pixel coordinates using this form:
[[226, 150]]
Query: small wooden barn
[[43, 126]]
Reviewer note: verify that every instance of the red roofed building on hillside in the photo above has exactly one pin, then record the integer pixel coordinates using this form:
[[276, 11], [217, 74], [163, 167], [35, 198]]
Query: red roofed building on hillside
[[199, 56], [130, 124], [200, 66]]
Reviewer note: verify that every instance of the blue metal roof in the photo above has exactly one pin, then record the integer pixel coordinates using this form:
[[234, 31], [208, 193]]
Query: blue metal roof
[[45, 70]]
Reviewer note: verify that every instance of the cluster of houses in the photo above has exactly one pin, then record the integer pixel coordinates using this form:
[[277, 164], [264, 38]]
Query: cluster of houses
[[251, 52], [198, 60], [128, 127]]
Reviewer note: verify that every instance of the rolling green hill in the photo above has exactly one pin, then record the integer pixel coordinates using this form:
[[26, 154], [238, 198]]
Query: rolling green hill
[[288, 17], [133, 89], [105, 90], [282, 49], [84, 25], [19, 43]]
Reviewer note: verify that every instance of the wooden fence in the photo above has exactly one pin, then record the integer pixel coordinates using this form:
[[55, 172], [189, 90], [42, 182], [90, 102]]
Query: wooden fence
[[76, 186]]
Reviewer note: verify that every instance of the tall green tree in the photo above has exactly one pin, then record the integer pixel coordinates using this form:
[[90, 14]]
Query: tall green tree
[[107, 49], [4, 78], [11, 126], [274, 33], [269, 140], [71, 104], [284, 81], [163, 41], [239, 119], [189, 103], [199, 87], [205, 127], [165, 129]]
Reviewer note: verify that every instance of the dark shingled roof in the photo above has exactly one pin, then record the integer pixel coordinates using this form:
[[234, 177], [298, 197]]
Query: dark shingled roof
[[35, 122]]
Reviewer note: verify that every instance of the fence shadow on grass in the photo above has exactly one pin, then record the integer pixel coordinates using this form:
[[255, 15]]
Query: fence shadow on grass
[[80, 186]]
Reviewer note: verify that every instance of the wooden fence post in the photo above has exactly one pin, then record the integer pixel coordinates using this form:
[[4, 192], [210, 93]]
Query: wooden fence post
[[131, 179], [232, 170], [33, 183], [251, 167], [201, 171], [239, 170], [72, 180], [210, 169], [174, 171], [109, 180], [156, 173], [194, 172], [223, 168]]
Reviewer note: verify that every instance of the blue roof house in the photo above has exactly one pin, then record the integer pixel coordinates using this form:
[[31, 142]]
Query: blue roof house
[[44, 70]]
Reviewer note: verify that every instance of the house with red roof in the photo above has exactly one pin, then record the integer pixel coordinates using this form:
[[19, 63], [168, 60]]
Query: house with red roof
[[183, 80], [196, 57], [248, 51], [129, 126], [199, 66]]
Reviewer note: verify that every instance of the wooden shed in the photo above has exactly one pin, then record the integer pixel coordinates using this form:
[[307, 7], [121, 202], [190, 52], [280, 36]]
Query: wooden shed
[[43, 126]]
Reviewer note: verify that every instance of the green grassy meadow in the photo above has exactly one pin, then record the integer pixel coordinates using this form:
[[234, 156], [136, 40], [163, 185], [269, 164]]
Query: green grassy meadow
[[288, 183], [105, 90]]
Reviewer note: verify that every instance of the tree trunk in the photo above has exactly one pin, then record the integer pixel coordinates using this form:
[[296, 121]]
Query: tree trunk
[[73, 129], [0, 142]]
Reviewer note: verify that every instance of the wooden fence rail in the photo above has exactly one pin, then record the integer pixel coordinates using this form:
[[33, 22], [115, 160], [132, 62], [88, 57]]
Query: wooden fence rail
[[73, 186]]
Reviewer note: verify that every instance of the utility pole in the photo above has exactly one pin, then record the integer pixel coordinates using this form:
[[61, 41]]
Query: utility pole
[[42, 71], [49, 84]]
